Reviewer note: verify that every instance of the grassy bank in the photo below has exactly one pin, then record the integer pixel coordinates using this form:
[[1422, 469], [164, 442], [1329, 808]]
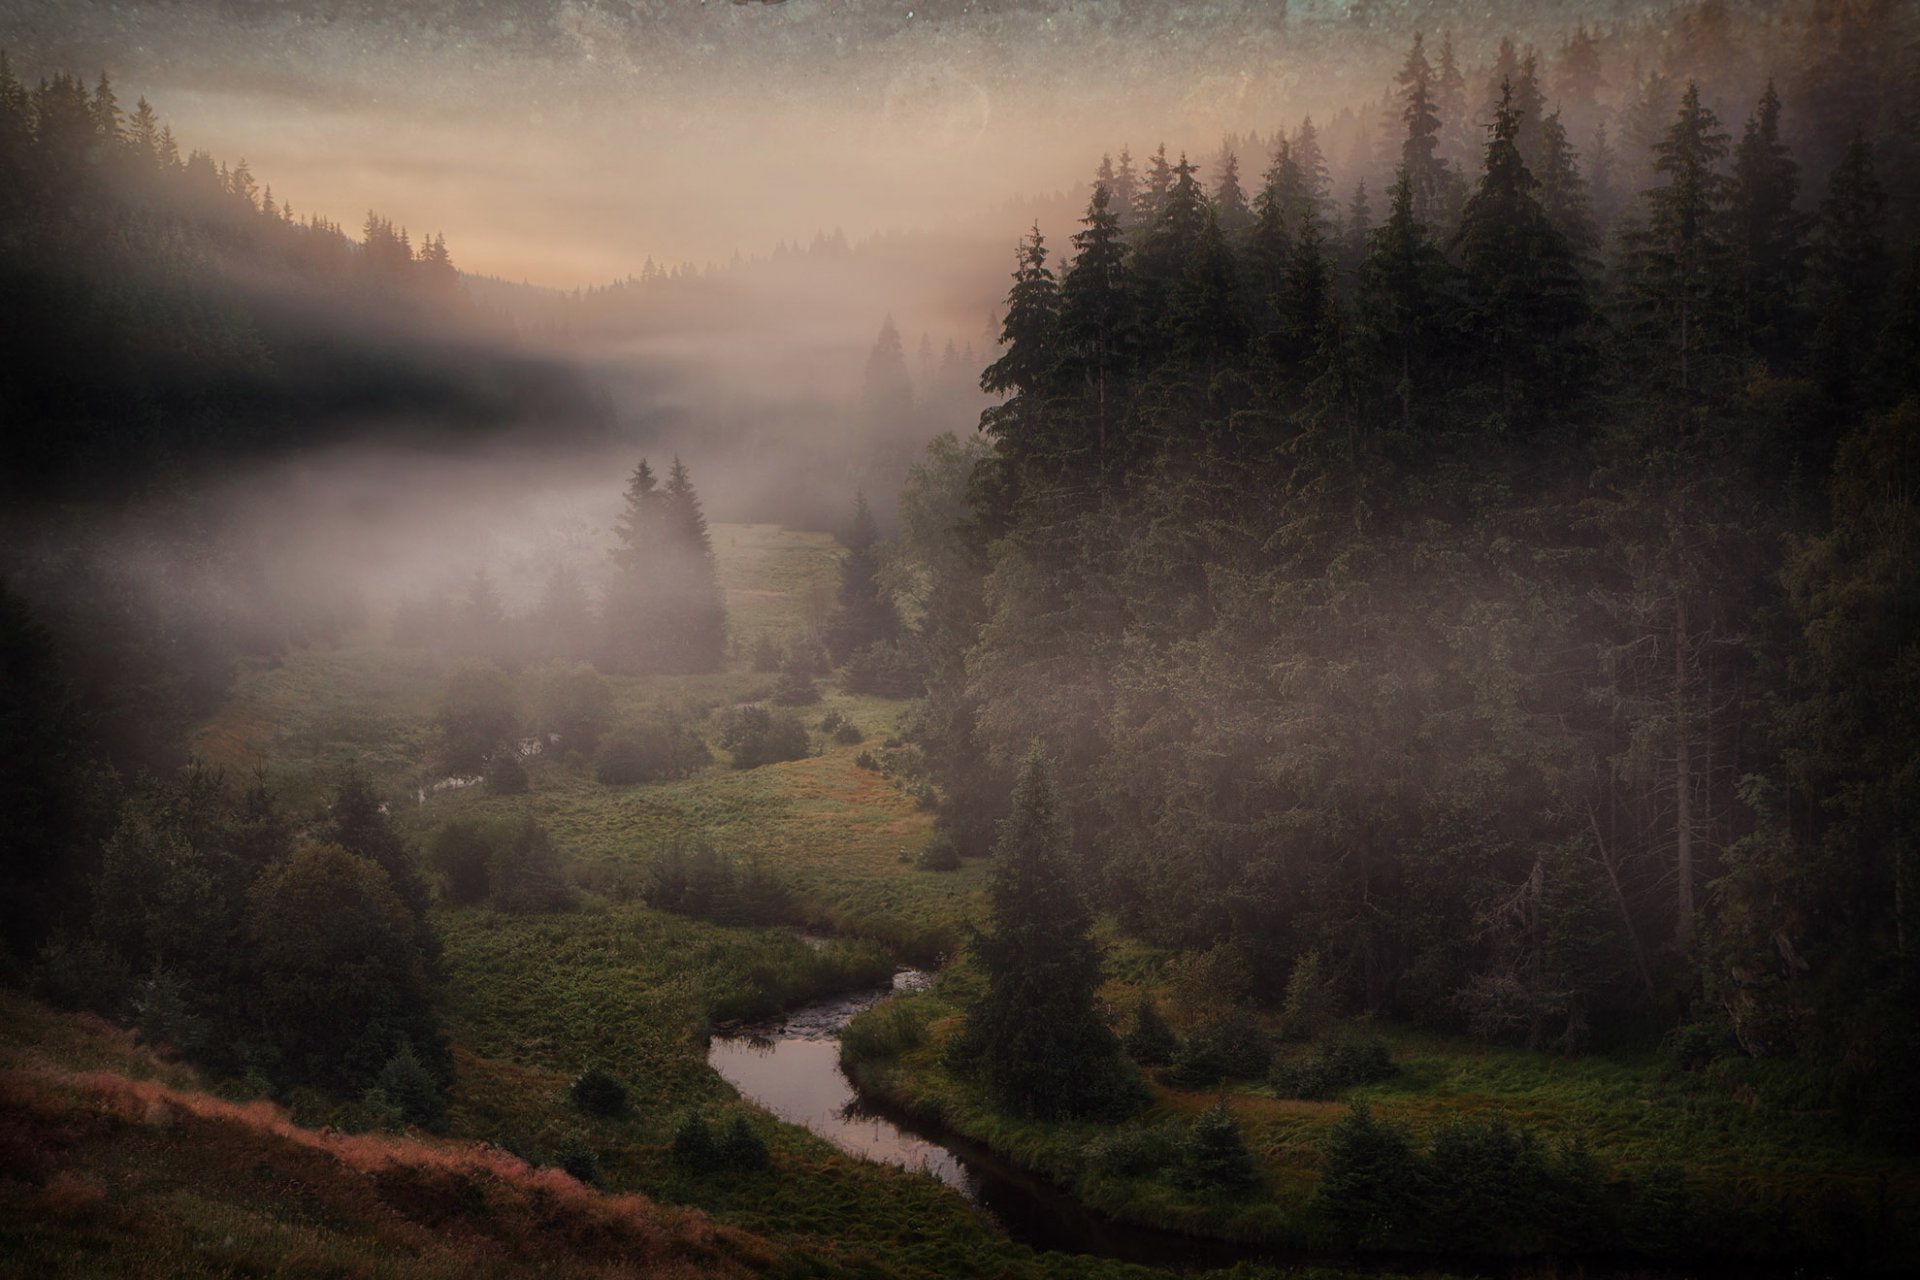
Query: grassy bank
[[1761, 1179]]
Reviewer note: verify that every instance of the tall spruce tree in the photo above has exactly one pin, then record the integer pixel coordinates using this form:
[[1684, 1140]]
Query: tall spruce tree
[[1767, 234], [1678, 253], [1035, 1036], [1030, 336], [1096, 317], [1420, 162], [865, 613], [1229, 200], [1403, 302], [1524, 296]]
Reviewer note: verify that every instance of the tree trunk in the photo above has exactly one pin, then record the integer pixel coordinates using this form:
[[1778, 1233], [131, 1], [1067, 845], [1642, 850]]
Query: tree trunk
[[1682, 785]]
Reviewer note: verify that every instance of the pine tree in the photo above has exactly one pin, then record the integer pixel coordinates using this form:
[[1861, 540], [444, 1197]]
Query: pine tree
[[1450, 103], [1204, 305], [1563, 192], [1126, 190], [1524, 297], [1677, 255], [1767, 234], [1314, 176], [1402, 301], [693, 616], [1096, 316], [1420, 161], [1152, 195], [1030, 334], [1035, 1036], [887, 392], [1850, 258], [865, 614], [1229, 201]]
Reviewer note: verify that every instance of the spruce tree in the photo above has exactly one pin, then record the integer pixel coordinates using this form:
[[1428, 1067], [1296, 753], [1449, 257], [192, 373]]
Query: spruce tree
[[1851, 264], [865, 614], [1096, 316], [1402, 302], [1767, 234], [1563, 192], [1229, 201], [1420, 162], [1029, 335], [694, 614], [1524, 297], [1678, 253], [1035, 1037]]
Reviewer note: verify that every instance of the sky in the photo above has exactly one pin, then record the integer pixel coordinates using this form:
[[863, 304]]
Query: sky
[[567, 141]]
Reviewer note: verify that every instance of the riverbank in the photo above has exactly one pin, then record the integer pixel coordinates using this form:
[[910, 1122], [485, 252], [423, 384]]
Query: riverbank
[[1745, 1187]]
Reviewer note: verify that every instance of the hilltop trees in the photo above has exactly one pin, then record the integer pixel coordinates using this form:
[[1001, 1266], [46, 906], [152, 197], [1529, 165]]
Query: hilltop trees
[[1475, 619]]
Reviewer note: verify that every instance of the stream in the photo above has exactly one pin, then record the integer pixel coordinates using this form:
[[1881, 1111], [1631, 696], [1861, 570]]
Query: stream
[[790, 1066]]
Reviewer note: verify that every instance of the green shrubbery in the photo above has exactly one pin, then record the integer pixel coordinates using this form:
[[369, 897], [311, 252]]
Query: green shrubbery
[[654, 750], [1486, 1187], [1335, 1067], [702, 882], [737, 1148], [754, 735], [597, 1093], [511, 864]]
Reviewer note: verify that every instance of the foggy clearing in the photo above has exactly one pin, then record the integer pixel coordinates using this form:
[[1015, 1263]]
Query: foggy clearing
[[1327, 589]]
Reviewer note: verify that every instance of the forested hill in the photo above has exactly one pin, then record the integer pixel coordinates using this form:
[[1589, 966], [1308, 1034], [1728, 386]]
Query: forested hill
[[166, 311], [1508, 596]]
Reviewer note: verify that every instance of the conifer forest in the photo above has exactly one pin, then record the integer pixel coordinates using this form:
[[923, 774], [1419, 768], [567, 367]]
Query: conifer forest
[[1019, 638]]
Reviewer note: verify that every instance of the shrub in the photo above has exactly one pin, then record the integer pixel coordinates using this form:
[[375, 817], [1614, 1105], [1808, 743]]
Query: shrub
[[1137, 1151], [460, 851], [795, 689], [1338, 1066], [866, 761], [654, 751], [706, 884], [882, 1033], [1151, 1043], [1213, 1157], [840, 729], [597, 1093], [1196, 1064], [577, 705], [694, 1149], [1366, 1061], [941, 853], [1369, 1179], [885, 669], [524, 872], [505, 775], [1310, 1000], [576, 1158], [1482, 1186], [740, 1148], [410, 1089], [754, 735], [1240, 1045], [766, 655], [476, 716]]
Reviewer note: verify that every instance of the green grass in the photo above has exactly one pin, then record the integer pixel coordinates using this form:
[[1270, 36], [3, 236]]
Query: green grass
[[1767, 1177]]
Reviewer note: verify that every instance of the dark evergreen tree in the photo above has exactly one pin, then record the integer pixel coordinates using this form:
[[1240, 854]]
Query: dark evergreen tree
[[1563, 192], [1524, 299], [1030, 335], [1403, 302], [1035, 1037], [1677, 255], [1096, 318], [1767, 234], [1420, 161], [865, 614], [1850, 261], [1229, 201]]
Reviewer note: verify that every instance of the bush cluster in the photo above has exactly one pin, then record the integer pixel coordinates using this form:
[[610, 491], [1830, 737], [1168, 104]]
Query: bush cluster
[[1335, 1067], [755, 735], [655, 750], [736, 1148], [1485, 1187], [704, 883]]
